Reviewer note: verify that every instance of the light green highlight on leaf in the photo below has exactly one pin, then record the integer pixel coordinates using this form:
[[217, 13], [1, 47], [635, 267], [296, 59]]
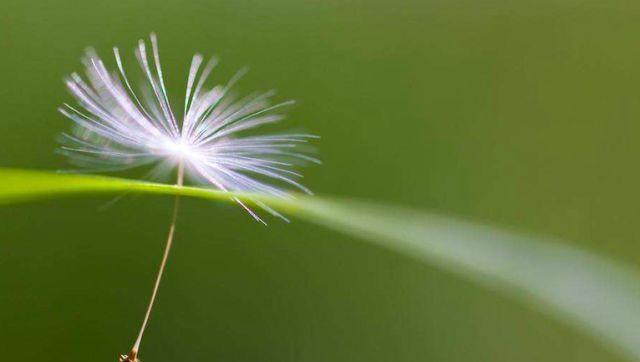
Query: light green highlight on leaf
[[596, 295]]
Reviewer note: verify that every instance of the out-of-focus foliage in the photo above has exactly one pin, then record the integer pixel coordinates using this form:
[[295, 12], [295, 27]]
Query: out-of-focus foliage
[[590, 292], [518, 113]]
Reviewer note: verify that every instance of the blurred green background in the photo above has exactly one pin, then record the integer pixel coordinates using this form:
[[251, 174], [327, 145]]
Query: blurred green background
[[518, 113]]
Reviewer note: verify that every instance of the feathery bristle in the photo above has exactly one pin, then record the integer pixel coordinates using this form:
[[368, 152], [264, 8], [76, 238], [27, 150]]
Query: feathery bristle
[[117, 128]]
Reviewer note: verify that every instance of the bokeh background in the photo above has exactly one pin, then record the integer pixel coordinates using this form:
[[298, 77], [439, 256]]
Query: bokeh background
[[522, 114]]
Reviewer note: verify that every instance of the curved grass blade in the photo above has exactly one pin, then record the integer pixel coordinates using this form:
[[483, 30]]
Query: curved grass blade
[[598, 296]]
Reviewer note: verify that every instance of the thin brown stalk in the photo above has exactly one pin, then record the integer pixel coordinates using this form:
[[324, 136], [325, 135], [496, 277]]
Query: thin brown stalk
[[132, 356]]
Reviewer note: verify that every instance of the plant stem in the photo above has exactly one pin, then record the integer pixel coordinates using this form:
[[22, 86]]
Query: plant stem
[[132, 356]]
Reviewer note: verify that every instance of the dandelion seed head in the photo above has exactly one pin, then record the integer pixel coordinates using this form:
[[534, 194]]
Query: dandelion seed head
[[120, 125]]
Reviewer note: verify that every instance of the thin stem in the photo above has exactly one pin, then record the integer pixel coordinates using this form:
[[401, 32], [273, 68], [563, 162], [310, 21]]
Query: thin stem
[[132, 356]]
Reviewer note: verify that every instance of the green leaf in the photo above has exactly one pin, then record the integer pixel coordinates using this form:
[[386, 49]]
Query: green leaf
[[598, 296]]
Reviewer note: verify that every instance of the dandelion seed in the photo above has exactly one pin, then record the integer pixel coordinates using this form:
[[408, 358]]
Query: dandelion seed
[[119, 127]]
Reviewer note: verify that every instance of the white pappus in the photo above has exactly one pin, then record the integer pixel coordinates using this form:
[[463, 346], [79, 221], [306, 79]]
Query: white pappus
[[118, 127]]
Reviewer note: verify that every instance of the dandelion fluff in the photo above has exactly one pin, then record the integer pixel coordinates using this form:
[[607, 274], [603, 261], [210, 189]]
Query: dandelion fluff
[[119, 125]]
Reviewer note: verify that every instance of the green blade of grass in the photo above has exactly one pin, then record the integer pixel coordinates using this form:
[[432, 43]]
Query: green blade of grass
[[598, 296]]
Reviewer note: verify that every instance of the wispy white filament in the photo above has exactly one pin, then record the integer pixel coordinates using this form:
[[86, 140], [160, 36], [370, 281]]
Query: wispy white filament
[[118, 127]]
